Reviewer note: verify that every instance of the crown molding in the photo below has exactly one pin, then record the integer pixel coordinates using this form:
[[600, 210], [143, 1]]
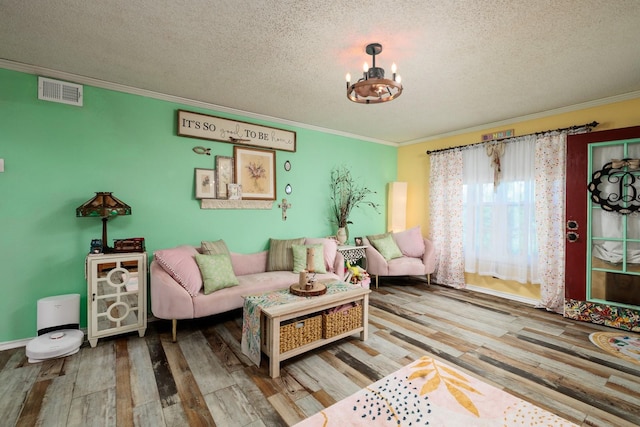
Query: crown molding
[[47, 72], [75, 78], [535, 116]]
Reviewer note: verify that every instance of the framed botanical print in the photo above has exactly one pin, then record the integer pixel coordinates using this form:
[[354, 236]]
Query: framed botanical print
[[224, 176], [205, 184], [255, 170]]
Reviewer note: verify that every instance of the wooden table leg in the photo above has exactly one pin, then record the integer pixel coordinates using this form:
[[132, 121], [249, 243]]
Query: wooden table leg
[[365, 318], [274, 347]]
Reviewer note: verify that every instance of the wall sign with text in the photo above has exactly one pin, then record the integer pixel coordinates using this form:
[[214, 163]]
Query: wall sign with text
[[204, 126]]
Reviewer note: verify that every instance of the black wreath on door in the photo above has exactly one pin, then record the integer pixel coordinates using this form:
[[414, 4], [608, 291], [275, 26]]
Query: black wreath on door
[[616, 187]]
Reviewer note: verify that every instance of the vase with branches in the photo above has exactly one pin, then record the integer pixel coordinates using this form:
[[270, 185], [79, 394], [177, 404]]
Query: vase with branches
[[347, 194]]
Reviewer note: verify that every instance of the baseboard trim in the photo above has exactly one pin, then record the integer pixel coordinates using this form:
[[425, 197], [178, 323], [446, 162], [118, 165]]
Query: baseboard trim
[[8, 345], [506, 295]]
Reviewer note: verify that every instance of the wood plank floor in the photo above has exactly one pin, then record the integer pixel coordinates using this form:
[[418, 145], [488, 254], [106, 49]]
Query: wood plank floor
[[205, 380]]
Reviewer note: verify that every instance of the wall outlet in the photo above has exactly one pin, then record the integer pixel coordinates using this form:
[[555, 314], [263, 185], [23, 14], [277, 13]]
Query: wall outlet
[[1, 165]]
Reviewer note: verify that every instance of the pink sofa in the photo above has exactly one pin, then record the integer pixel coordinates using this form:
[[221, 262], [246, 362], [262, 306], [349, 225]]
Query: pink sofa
[[418, 256], [171, 300]]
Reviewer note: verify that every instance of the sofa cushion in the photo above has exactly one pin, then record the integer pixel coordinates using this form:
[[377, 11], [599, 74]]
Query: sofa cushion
[[387, 247], [410, 242], [213, 248], [281, 254], [249, 263], [217, 272], [378, 236], [330, 250], [180, 263], [300, 258], [406, 266]]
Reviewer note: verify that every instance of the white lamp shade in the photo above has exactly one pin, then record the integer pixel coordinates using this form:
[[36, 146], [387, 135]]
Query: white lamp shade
[[397, 206]]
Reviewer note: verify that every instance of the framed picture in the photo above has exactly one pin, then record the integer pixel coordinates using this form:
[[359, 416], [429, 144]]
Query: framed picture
[[234, 191], [205, 184], [224, 175], [358, 241], [255, 170]]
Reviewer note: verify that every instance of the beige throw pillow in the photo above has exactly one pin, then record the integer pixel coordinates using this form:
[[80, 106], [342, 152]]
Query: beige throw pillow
[[281, 255], [214, 248]]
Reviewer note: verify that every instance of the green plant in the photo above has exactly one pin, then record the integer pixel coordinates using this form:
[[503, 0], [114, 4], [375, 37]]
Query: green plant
[[346, 195]]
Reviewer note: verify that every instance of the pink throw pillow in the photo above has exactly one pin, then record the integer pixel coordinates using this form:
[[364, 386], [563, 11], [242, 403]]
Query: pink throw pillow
[[410, 242], [181, 264], [330, 249]]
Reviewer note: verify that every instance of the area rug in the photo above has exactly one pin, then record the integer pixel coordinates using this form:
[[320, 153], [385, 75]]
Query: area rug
[[431, 393], [623, 345]]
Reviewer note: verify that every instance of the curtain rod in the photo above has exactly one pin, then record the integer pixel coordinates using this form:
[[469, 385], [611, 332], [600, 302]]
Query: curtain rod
[[570, 128]]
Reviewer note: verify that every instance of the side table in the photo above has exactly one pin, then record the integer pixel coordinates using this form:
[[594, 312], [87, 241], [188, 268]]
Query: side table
[[352, 253], [116, 294]]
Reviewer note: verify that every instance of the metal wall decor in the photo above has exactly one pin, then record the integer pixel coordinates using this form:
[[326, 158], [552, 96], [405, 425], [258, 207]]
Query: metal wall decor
[[201, 150], [616, 187]]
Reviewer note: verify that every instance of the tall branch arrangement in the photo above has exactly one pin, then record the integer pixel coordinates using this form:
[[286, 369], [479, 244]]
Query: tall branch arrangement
[[346, 194]]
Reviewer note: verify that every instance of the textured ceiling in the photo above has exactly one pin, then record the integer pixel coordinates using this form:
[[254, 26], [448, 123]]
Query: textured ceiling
[[463, 63]]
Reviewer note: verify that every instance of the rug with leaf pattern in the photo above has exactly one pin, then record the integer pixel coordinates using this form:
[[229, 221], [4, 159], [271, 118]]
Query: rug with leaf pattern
[[431, 393]]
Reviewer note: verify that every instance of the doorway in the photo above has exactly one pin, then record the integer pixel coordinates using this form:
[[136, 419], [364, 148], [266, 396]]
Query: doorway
[[602, 250]]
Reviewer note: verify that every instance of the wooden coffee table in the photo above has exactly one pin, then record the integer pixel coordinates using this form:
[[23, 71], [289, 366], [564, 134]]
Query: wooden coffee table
[[272, 317]]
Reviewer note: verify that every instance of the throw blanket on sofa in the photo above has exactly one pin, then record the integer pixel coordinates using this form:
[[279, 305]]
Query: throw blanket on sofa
[[251, 314], [431, 393]]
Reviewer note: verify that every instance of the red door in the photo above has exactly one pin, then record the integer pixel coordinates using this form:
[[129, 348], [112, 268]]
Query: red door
[[576, 205]]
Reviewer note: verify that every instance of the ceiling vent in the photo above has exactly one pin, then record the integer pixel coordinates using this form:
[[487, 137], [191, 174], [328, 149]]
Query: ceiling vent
[[59, 91]]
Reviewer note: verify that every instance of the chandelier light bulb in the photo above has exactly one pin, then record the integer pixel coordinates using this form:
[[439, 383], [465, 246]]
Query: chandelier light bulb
[[399, 79], [373, 87]]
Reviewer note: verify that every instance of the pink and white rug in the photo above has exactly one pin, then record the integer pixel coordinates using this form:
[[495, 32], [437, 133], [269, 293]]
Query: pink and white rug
[[431, 393]]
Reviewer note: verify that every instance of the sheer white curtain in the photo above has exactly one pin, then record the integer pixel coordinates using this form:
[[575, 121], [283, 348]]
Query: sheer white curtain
[[499, 224], [550, 217], [522, 220], [445, 194]]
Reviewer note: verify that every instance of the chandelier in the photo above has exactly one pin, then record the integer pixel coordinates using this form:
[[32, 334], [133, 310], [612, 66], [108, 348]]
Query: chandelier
[[373, 88]]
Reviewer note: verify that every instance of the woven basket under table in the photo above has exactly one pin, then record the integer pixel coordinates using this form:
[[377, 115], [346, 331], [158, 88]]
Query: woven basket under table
[[341, 321], [300, 332]]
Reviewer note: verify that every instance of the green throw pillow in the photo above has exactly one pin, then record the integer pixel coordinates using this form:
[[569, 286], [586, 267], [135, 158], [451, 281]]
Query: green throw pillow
[[300, 258], [378, 236], [217, 272], [280, 254], [387, 247], [214, 248]]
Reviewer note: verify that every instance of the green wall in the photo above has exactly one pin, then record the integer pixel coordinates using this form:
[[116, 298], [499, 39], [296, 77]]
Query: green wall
[[57, 156]]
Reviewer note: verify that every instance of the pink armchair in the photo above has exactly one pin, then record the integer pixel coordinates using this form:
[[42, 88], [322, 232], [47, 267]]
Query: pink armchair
[[418, 257]]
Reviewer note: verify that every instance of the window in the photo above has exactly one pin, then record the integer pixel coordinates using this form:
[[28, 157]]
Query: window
[[499, 221]]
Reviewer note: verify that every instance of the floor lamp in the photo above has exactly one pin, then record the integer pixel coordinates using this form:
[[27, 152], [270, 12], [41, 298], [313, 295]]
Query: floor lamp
[[397, 206]]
